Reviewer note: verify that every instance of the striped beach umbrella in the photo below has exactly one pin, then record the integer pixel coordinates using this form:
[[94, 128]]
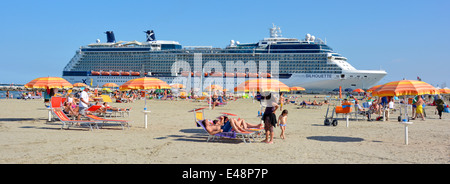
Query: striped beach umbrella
[[144, 83], [110, 85], [405, 87], [359, 90], [297, 88], [213, 87], [79, 84], [370, 90], [177, 86], [49, 82], [444, 91], [261, 85]]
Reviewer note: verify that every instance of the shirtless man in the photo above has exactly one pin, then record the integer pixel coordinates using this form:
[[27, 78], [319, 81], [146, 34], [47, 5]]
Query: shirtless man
[[419, 108]]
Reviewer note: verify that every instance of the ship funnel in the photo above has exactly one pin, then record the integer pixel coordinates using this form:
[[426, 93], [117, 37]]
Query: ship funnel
[[150, 35], [110, 37]]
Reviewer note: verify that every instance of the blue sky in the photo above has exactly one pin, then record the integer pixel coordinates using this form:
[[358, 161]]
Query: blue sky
[[405, 38]]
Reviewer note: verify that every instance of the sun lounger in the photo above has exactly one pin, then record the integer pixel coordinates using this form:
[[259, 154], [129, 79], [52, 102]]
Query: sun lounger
[[121, 122], [66, 121], [232, 134]]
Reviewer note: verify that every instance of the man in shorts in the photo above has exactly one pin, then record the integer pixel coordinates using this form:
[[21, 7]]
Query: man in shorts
[[84, 102]]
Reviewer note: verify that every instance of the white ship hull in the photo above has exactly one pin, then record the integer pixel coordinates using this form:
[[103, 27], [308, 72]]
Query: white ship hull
[[354, 79]]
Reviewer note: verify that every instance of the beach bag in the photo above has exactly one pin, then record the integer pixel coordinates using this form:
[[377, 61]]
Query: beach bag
[[446, 110]]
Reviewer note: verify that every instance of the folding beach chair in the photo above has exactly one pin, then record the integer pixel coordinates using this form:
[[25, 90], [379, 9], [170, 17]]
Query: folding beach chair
[[232, 134], [66, 121], [121, 122]]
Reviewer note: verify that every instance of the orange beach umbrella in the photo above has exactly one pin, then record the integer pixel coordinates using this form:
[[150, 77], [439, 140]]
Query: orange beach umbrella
[[79, 84], [49, 82], [444, 91], [262, 84], [213, 87], [405, 87], [370, 90], [177, 86], [110, 85], [297, 88], [359, 90], [144, 83]]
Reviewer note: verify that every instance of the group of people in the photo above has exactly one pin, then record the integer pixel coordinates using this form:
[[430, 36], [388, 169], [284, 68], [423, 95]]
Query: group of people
[[270, 120], [418, 104], [77, 107]]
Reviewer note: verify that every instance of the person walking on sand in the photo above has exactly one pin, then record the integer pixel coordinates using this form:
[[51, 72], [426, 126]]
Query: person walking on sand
[[439, 105], [270, 119], [282, 120], [419, 108]]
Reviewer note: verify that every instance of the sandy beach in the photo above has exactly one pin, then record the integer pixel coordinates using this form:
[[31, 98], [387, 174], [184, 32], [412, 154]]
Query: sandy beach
[[172, 137]]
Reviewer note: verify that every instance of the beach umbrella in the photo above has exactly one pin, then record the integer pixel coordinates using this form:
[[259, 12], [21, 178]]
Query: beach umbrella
[[348, 89], [49, 82], [262, 84], [213, 87], [107, 90], [144, 83], [444, 91], [177, 86], [110, 85], [359, 90], [79, 84], [373, 88], [297, 88], [405, 87]]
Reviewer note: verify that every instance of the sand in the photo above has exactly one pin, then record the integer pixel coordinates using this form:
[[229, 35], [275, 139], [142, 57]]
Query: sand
[[172, 137]]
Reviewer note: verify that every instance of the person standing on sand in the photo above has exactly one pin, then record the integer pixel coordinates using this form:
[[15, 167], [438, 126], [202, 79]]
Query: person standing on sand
[[270, 119], [282, 120], [439, 105], [419, 108], [84, 102]]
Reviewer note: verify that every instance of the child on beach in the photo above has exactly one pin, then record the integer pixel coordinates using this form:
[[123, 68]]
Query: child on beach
[[282, 120]]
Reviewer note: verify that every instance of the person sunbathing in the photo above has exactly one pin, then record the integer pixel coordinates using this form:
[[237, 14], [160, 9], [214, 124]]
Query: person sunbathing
[[68, 109], [108, 107], [212, 128], [245, 126]]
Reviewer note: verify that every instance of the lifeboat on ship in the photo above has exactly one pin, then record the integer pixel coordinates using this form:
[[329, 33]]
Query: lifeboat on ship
[[197, 74], [267, 75], [252, 75], [125, 73], [95, 73], [186, 73], [216, 74], [228, 74], [135, 73], [115, 73], [240, 75], [105, 73]]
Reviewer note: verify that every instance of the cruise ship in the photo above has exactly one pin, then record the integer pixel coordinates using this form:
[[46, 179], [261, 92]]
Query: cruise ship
[[309, 63]]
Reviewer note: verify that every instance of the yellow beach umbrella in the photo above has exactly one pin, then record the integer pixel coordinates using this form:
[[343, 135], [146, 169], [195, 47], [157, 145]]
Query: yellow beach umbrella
[[49, 82], [262, 85], [405, 87]]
